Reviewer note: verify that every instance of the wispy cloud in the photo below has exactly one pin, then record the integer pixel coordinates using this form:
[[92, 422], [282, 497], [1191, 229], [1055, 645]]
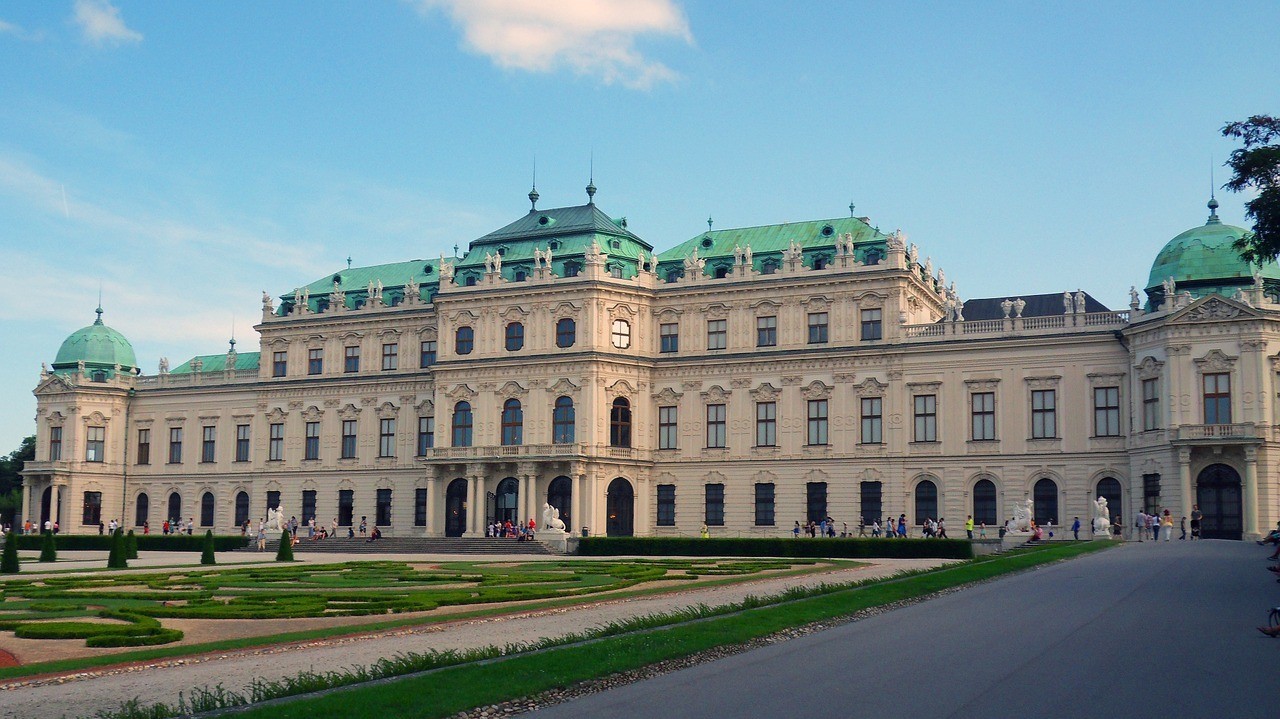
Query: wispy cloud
[[595, 38], [101, 24], [8, 28]]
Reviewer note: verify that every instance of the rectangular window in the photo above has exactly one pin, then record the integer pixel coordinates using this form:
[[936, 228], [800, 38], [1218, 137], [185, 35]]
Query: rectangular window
[[815, 501], [308, 505], [1106, 411], [420, 507], [669, 337], [870, 498], [1151, 493], [1150, 404], [715, 505], [427, 354], [175, 445], [391, 356], [386, 438], [1044, 414], [348, 439], [666, 505], [717, 334], [279, 364], [346, 507], [382, 515], [312, 448], [716, 416], [1217, 398], [818, 328], [766, 331], [872, 420], [92, 508], [315, 361], [668, 428], [242, 443], [55, 444], [273, 499], [983, 406], [144, 446], [766, 424], [871, 329], [208, 444], [817, 429], [764, 504], [350, 359], [426, 434], [275, 445], [95, 441], [926, 416]]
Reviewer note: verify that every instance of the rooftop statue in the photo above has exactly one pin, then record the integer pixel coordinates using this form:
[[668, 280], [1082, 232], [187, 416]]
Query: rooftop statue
[[737, 254], [897, 240], [1066, 302], [1006, 307], [748, 255], [1133, 297], [1079, 301], [1018, 306], [913, 254], [411, 291], [446, 270]]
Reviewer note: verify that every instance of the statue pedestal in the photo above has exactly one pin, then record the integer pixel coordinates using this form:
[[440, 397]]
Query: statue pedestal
[[556, 539], [1016, 539]]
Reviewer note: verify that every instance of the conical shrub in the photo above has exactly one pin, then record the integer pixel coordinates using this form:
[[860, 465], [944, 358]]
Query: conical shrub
[[285, 552], [48, 549], [119, 556], [206, 557], [130, 545], [9, 561]]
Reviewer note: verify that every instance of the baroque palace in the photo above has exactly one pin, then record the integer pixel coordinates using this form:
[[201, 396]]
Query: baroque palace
[[747, 378]]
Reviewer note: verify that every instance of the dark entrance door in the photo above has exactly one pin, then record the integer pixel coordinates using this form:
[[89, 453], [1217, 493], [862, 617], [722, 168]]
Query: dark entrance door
[[45, 500], [1218, 494], [560, 496], [620, 504], [506, 506], [455, 509]]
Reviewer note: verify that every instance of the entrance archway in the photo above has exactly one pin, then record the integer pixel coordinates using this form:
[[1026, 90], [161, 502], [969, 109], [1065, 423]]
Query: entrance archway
[[1218, 494], [1045, 496], [506, 505], [620, 505], [455, 508], [1109, 487], [46, 499], [560, 496]]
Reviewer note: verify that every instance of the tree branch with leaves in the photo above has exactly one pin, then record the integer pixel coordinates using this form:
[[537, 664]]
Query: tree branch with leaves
[[1256, 166]]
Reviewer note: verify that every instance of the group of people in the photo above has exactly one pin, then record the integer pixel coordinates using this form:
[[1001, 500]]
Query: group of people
[[507, 529], [314, 531], [1160, 525], [29, 527]]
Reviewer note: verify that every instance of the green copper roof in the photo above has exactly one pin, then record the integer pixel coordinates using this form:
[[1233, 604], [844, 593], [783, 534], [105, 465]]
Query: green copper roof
[[245, 362], [355, 282], [1204, 254], [560, 222], [98, 346], [765, 240]]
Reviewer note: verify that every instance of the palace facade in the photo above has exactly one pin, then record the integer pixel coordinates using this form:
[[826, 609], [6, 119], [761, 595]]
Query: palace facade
[[746, 378]]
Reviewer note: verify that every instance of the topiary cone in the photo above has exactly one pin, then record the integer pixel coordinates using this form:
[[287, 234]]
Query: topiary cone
[[48, 550], [9, 561], [285, 552], [131, 545], [118, 558], [206, 557]]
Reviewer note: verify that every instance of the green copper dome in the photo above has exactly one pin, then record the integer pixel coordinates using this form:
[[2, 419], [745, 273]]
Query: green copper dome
[[98, 346], [1202, 260]]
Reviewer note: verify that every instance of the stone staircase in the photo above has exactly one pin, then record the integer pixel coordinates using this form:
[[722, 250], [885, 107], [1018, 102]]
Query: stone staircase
[[410, 545]]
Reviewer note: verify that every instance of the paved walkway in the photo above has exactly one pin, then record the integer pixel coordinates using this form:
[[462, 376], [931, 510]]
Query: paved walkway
[[1166, 627], [85, 695]]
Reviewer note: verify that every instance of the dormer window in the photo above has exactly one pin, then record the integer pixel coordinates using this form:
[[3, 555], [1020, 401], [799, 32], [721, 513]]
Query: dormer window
[[615, 244], [721, 272]]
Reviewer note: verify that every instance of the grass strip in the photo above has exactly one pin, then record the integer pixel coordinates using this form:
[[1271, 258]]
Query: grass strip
[[446, 691]]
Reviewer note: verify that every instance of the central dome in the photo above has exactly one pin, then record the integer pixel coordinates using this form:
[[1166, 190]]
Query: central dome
[[1203, 260], [98, 346]]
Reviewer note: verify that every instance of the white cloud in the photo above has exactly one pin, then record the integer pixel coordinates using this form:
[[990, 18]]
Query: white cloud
[[8, 28], [101, 23], [591, 37]]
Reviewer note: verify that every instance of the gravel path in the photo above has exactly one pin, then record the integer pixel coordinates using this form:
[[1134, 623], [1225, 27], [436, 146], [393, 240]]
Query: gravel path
[[83, 694]]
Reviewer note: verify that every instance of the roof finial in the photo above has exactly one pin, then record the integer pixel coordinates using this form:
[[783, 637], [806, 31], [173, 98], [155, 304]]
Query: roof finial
[[348, 262], [455, 249], [708, 223], [591, 182], [99, 309], [851, 206], [533, 193], [233, 333], [1213, 201]]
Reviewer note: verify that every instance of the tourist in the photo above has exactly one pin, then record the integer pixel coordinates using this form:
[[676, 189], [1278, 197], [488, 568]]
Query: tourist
[[1196, 517], [1183, 527], [862, 529], [942, 528], [968, 526], [101, 528], [982, 531], [795, 531], [1167, 525], [1075, 528], [1153, 523], [902, 526], [377, 534], [875, 527], [333, 527], [191, 525], [1140, 525], [363, 526], [262, 537], [351, 532], [706, 533], [146, 527]]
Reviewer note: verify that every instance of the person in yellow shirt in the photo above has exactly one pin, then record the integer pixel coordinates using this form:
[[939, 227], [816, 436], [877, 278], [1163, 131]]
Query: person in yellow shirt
[[1166, 522], [968, 526]]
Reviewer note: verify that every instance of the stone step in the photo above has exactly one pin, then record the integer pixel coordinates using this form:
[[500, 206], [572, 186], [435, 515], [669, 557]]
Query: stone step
[[411, 545]]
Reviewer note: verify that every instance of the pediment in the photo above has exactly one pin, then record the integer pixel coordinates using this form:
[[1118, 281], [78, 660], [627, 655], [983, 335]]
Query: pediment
[[716, 393], [461, 391], [55, 383], [563, 387], [766, 392], [1214, 308], [512, 389], [621, 388], [668, 396]]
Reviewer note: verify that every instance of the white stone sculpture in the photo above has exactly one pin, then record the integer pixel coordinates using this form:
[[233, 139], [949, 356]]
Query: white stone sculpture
[[1101, 518], [1257, 279], [497, 262], [593, 255], [942, 277], [746, 252], [1170, 291], [337, 298], [377, 291], [551, 518], [913, 254], [1067, 304], [488, 262], [306, 299], [412, 293], [1006, 307], [1079, 302], [1022, 514], [267, 305], [164, 365], [1018, 305], [369, 293], [737, 254], [546, 256], [1133, 297], [928, 267], [694, 264], [446, 271], [897, 240], [959, 309]]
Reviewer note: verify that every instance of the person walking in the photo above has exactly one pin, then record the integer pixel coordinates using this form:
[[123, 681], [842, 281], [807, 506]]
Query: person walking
[[1140, 525], [1196, 517], [942, 528], [1167, 525], [1183, 527], [1153, 523], [902, 526], [968, 526], [1075, 528], [704, 531], [262, 537], [795, 531]]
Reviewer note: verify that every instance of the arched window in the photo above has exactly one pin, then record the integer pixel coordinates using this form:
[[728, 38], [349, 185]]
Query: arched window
[[462, 424], [142, 510], [560, 496], [512, 422], [206, 509], [469, 281], [515, 336], [926, 501], [464, 340], [820, 262], [769, 267], [620, 423], [722, 271], [506, 502], [562, 421], [242, 508], [175, 506], [1045, 497], [566, 332], [984, 503], [1109, 487]]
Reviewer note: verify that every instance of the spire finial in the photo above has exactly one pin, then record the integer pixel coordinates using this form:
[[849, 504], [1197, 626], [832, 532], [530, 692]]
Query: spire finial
[[1213, 200], [98, 321], [233, 333], [348, 262], [851, 206], [591, 181], [708, 223], [533, 193]]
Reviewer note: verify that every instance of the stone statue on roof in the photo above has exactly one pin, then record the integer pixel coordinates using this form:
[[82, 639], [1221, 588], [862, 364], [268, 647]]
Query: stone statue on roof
[[497, 262], [1170, 290], [267, 306], [793, 252], [411, 291], [377, 290], [164, 365], [297, 300], [593, 255], [1066, 302], [747, 254], [959, 309], [928, 267], [446, 270], [1079, 298], [488, 262], [942, 277], [1257, 279], [337, 298], [368, 293], [897, 240], [1018, 305], [913, 253], [693, 264], [737, 254], [1006, 307], [1133, 297], [546, 256]]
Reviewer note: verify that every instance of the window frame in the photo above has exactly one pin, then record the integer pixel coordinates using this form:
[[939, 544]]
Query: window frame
[[666, 505], [717, 334], [620, 418], [983, 417], [1044, 414], [144, 446], [1106, 416], [350, 439], [765, 504], [1221, 398], [275, 442], [315, 361], [386, 437], [350, 359], [427, 352], [871, 420], [564, 420], [669, 427], [566, 332], [390, 356], [871, 324], [55, 444], [426, 434], [208, 444], [91, 513], [175, 445], [243, 435], [768, 424], [817, 423], [620, 334], [512, 423], [311, 441], [280, 363], [461, 433], [713, 504], [925, 424], [464, 340], [717, 426], [1150, 404], [95, 444], [513, 336], [668, 331], [767, 331], [819, 328]]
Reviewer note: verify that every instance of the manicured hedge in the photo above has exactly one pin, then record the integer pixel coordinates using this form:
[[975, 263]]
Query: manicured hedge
[[146, 542], [752, 547]]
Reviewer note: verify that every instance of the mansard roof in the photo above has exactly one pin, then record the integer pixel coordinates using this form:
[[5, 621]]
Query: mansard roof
[[558, 222], [988, 308], [763, 239], [355, 281], [245, 362]]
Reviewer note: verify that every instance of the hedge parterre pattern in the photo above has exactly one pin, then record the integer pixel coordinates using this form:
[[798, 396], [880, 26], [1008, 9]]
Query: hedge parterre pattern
[[47, 608]]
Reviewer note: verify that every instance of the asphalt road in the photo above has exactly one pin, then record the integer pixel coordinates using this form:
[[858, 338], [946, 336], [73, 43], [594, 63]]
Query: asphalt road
[[1150, 629]]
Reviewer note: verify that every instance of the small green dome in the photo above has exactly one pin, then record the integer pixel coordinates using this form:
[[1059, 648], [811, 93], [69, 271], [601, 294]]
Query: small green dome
[[1205, 254], [98, 346]]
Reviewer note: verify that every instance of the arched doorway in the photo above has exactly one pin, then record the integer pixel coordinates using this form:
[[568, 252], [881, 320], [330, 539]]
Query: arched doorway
[[1218, 494], [206, 509], [141, 510], [242, 508], [984, 503], [1109, 487], [46, 502], [620, 505], [455, 508], [926, 501], [506, 505], [175, 507], [560, 496], [1045, 496]]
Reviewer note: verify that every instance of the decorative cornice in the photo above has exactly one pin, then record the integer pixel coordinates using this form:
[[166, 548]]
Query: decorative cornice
[[1043, 382], [1215, 361]]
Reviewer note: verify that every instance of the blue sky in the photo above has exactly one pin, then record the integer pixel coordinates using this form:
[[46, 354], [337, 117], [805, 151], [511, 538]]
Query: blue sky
[[210, 151]]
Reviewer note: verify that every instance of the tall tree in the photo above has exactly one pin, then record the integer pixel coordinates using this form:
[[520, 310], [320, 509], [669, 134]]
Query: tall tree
[[12, 463], [1256, 166]]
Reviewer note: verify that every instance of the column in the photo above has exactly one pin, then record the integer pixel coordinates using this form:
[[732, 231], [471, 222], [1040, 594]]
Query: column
[[526, 496], [474, 509], [433, 494], [1184, 483], [575, 502], [55, 512], [1250, 492], [26, 506]]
